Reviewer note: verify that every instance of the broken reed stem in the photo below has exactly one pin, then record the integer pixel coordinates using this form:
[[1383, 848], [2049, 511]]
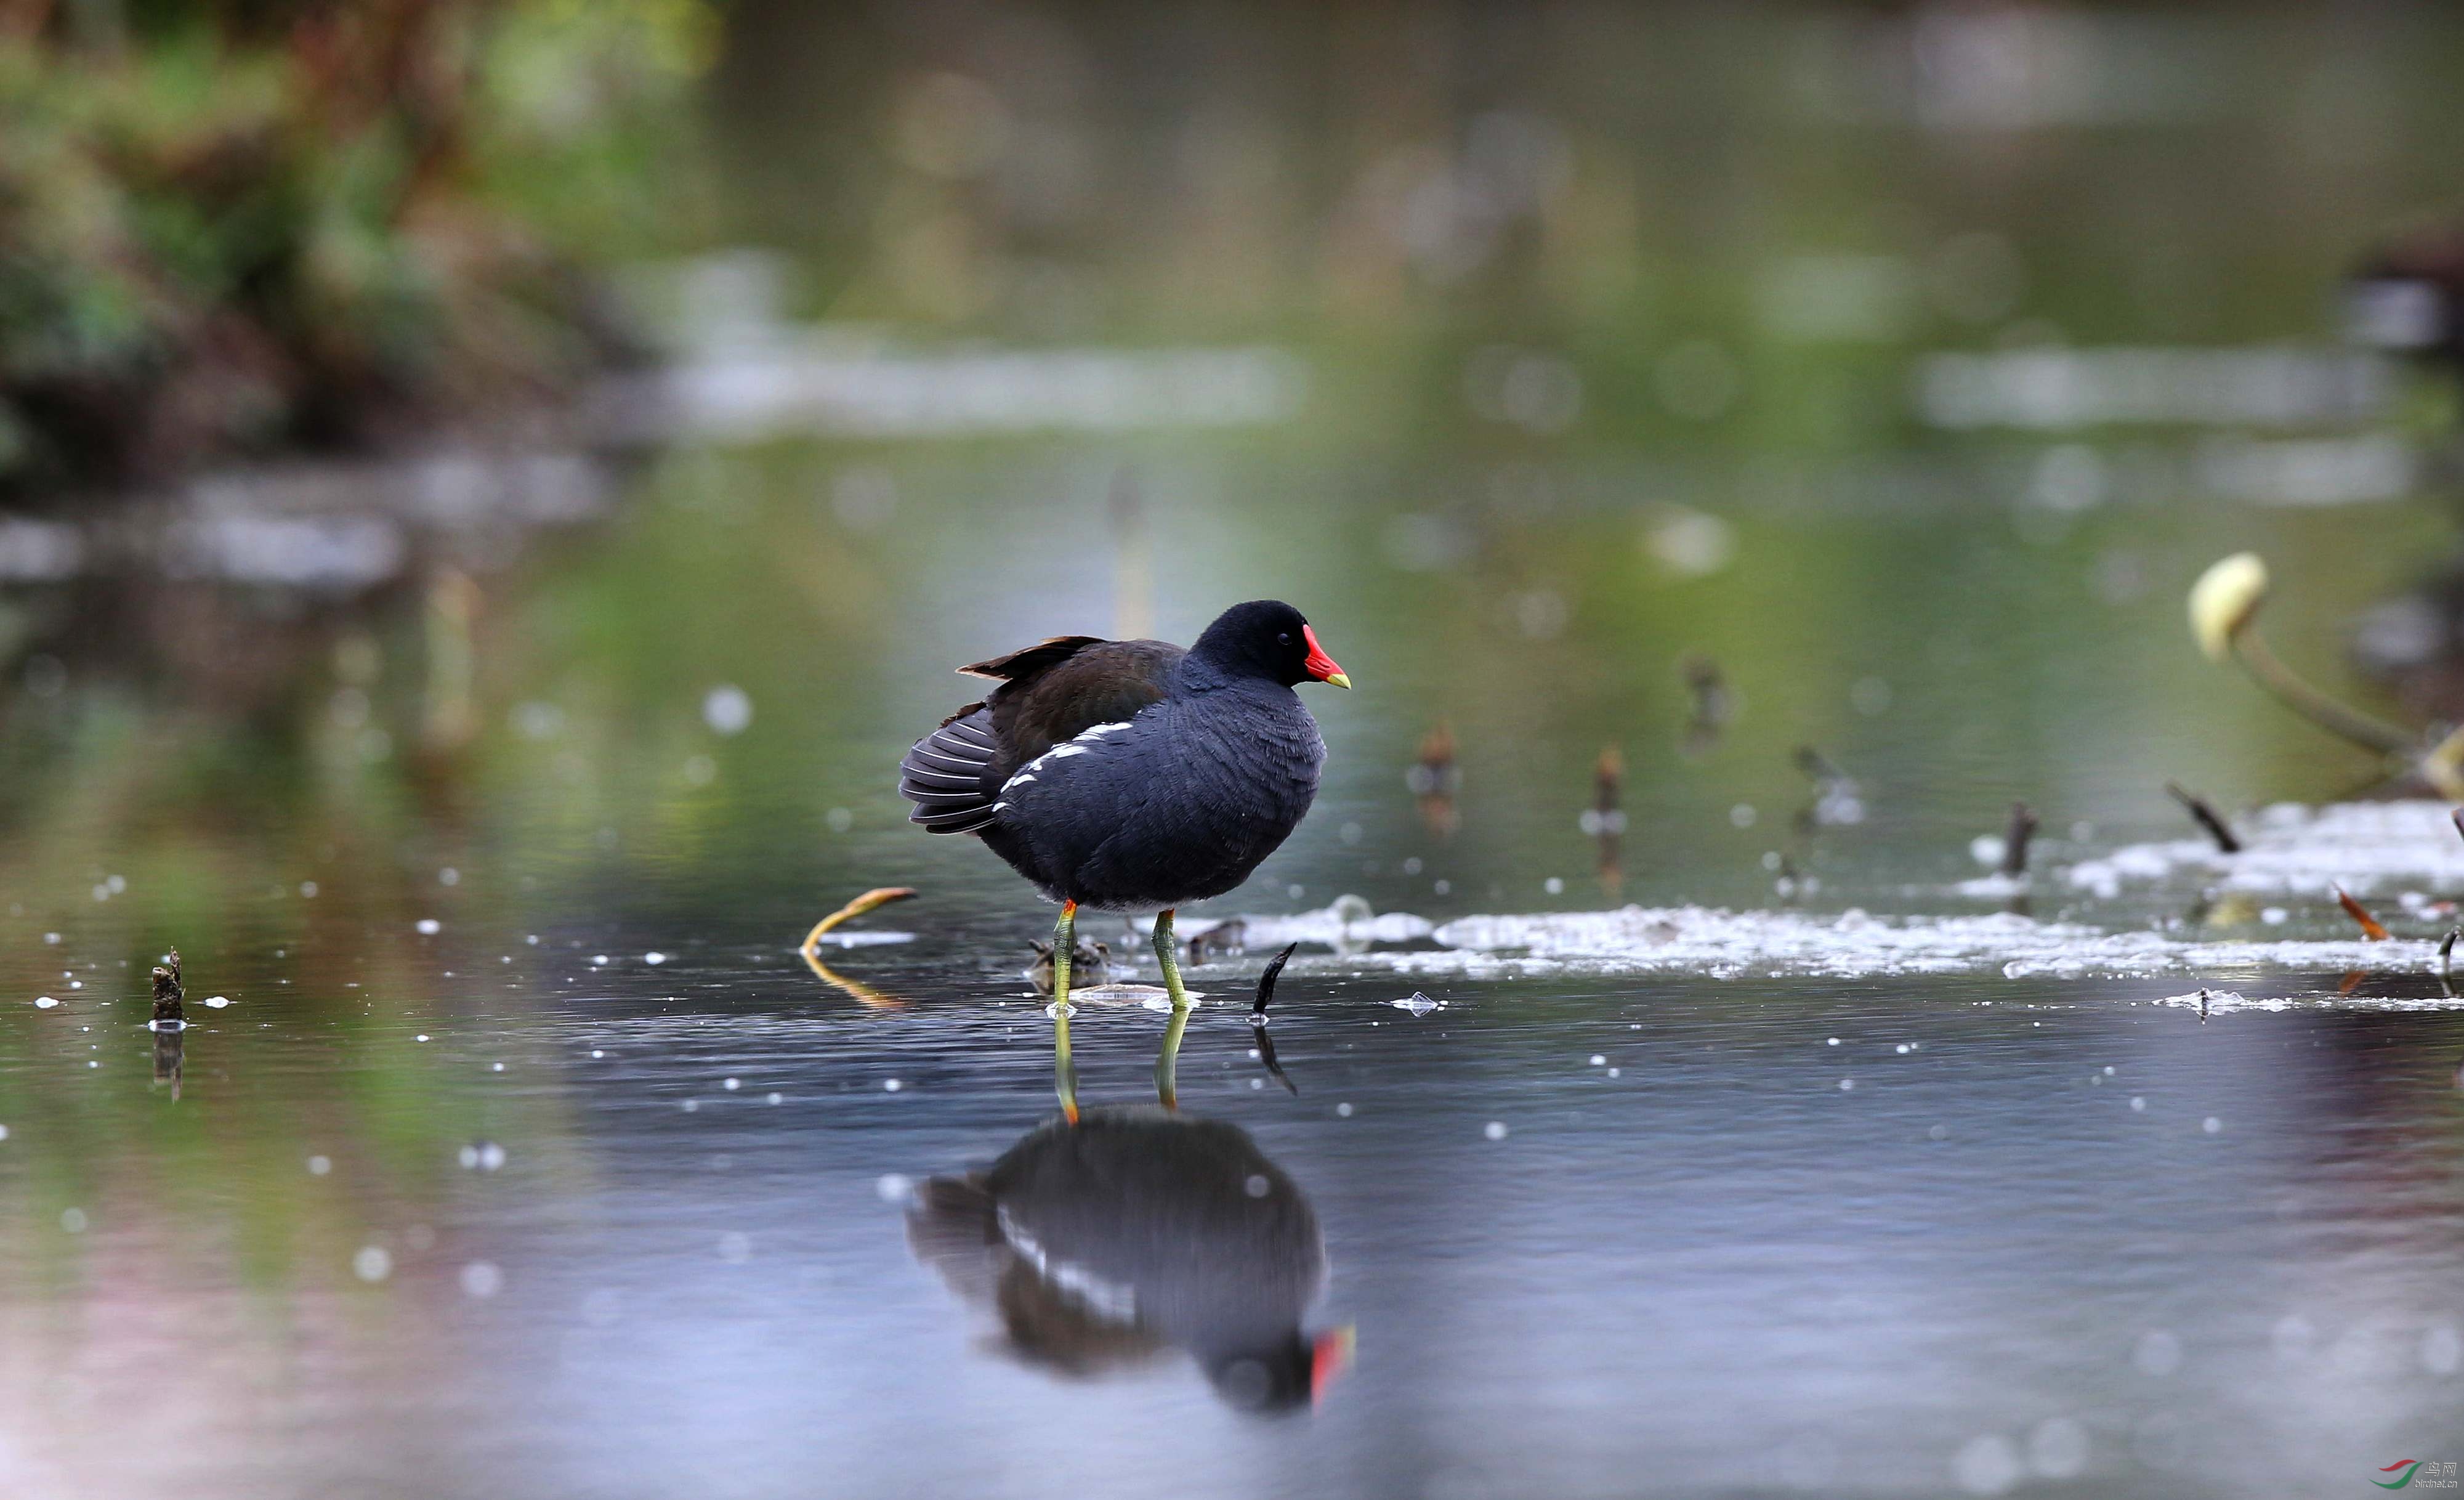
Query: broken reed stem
[[2207, 817], [2014, 842], [167, 987], [1258, 1018], [879, 896]]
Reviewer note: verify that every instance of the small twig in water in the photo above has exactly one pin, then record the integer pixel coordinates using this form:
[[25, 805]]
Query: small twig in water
[[2207, 817], [2371, 931], [2014, 843], [1258, 1018], [2447, 962]]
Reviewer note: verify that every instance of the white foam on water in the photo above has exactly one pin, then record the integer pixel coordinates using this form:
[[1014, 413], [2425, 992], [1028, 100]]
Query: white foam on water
[[1725, 944], [2291, 849], [860, 938]]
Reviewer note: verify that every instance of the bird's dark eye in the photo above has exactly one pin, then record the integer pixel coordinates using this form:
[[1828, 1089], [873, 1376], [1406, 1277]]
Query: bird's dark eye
[[1285, 637]]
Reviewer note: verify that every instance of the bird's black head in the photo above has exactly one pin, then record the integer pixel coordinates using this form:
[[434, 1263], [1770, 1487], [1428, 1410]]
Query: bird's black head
[[1267, 638]]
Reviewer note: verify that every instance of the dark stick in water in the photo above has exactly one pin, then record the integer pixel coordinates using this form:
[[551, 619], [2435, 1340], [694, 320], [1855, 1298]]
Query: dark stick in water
[[1258, 1018], [2207, 817], [2014, 843]]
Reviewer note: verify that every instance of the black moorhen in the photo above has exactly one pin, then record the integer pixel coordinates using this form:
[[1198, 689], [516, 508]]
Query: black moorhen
[[1135, 1232], [1131, 776]]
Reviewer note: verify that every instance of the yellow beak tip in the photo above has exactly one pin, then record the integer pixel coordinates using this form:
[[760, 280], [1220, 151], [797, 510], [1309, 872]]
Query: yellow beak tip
[[1340, 680]]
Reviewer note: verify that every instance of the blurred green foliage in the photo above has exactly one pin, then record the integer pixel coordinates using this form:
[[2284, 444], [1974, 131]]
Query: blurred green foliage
[[237, 225]]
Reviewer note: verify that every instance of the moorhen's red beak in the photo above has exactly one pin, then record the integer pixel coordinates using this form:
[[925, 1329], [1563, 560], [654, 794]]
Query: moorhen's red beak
[[1329, 1355], [1319, 664]]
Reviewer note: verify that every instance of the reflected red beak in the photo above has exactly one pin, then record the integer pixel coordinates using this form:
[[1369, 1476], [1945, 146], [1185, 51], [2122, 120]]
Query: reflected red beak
[[1319, 664], [1328, 1357]]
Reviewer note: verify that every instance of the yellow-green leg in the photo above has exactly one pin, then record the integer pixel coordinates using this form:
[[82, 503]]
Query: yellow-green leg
[[1168, 1060], [1065, 943]]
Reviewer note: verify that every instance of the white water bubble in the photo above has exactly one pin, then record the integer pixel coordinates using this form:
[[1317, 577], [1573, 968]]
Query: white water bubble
[[2138, 1105], [727, 708], [1938, 1133], [308, 890], [1494, 1130], [73, 1220], [2058, 1449], [429, 926], [448, 876], [1742, 815], [1554, 886], [2442, 1350], [372, 1263], [217, 1002], [318, 1166], [654, 960], [892, 1085], [44, 1003], [893, 1187], [3, 1132], [1415, 1003], [1256, 1185], [1598, 1060], [51, 937], [482, 1279], [1847, 1083], [731, 1085], [2211, 1124], [1987, 1465], [774, 1098], [2293, 1337], [1343, 1112], [2158, 1353]]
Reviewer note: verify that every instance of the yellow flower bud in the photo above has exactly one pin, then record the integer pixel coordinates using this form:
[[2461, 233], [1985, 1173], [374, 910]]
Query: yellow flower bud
[[2224, 600]]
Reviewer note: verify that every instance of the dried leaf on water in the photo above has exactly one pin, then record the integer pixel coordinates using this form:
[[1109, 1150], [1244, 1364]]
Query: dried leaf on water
[[2370, 928]]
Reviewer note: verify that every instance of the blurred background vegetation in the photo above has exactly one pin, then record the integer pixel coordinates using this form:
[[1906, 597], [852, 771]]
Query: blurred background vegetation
[[252, 226]]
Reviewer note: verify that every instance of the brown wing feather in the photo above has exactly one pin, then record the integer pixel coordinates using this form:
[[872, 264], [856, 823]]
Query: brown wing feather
[[1099, 682], [1030, 660], [1049, 692]]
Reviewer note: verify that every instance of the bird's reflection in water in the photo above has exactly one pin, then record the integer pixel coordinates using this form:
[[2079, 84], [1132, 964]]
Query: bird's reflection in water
[[1134, 1234]]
